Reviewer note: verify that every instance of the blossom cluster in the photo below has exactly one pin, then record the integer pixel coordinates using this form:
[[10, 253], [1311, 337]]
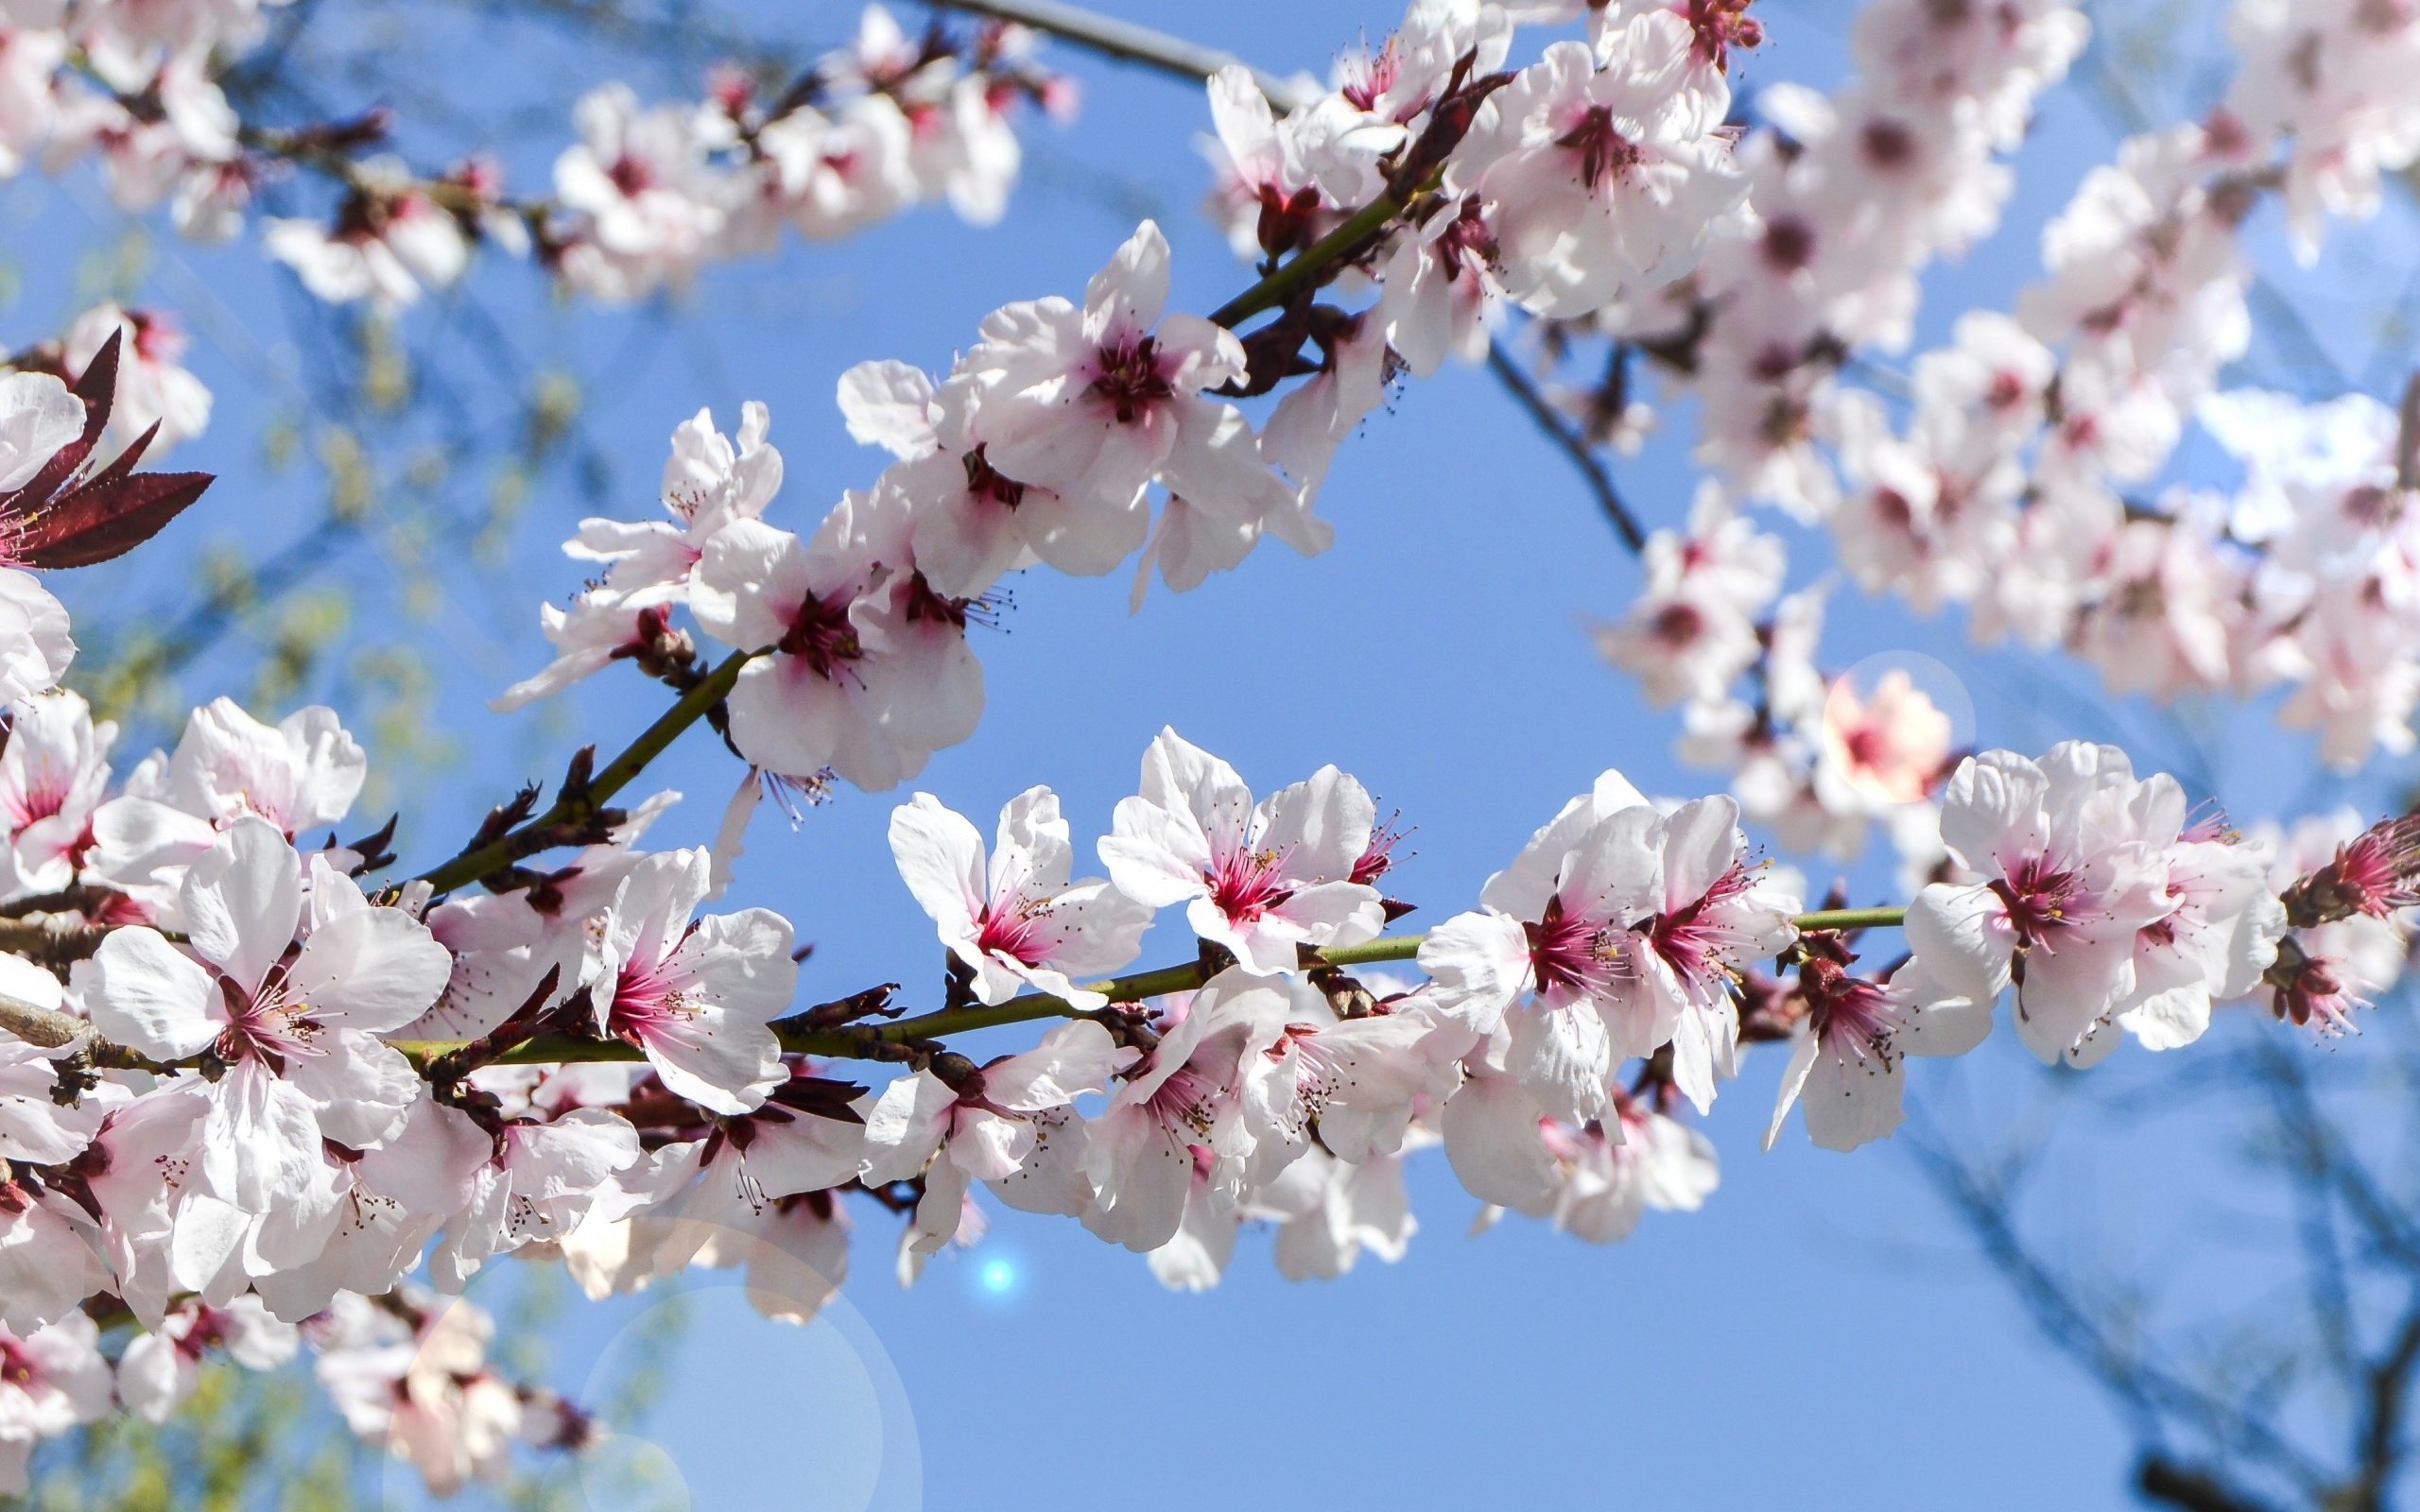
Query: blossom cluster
[[278, 1094], [2010, 483], [646, 197], [154, 389], [258, 1088]]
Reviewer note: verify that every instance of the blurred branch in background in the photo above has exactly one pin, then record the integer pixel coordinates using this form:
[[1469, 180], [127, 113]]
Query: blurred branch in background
[[2294, 1390]]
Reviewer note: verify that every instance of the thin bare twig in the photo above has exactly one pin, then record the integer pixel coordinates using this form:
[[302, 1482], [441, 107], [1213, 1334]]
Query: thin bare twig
[[1128, 43], [1567, 440]]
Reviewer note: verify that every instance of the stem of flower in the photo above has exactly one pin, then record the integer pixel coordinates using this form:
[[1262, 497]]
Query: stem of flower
[[1569, 441], [868, 1041], [1851, 919], [1330, 252], [573, 808]]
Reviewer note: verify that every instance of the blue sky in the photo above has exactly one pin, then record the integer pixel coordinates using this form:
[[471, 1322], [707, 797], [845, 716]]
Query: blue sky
[[1821, 1335]]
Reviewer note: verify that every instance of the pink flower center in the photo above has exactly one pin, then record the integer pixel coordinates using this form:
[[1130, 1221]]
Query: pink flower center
[[1466, 243], [1246, 883], [821, 635], [1856, 1016], [1371, 75], [645, 998], [1605, 151], [1127, 376], [1015, 933], [2037, 896], [983, 481], [630, 174], [1186, 1103], [1695, 938], [1571, 955], [1678, 625], [1888, 145], [1790, 243], [43, 795], [270, 1027], [1721, 25]]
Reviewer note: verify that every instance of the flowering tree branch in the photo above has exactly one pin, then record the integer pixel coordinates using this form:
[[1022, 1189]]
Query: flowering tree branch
[[343, 1087], [577, 810]]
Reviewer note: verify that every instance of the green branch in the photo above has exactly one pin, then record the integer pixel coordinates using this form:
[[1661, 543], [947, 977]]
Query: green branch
[[573, 808], [869, 1040], [1308, 266], [1851, 919]]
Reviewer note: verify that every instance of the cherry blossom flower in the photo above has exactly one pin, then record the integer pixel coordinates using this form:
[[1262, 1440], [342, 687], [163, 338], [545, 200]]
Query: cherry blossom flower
[[1263, 881], [1600, 177], [870, 672], [1615, 931], [1014, 921], [1440, 295], [1348, 1087], [1180, 1104], [51, 1379], [1691, 631], [160, 1368], [695, 994], [1545, 953], [152, 385], [542, 1178], [1850, 1065], [390, 240], [53, 773], [1594, 1180], [302, 773], [35, 648], [599, 629], [971, 522], [1889, 747], [1008, 1114], [733, 1196], [1330, 1213], [639, 181], [296, 1035], [2070, 880], [422, 1391], [708, 483], [50, 1257], [1093, 404], [38, 417]]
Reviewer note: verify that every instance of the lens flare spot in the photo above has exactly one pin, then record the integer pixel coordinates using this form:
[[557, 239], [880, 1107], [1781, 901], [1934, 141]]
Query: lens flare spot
[[997, 1277]]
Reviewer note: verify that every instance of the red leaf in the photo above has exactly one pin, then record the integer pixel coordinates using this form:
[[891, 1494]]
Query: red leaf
[[97, 388], [107, 518]]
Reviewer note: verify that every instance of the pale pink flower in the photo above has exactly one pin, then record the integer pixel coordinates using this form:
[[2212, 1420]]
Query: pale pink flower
[[1264, 881], [1008, 1114], [2069, 882], [1600, 178], [1093, 404], [1012, 918], [297, 1035], [695, 994], [51, 1380]]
